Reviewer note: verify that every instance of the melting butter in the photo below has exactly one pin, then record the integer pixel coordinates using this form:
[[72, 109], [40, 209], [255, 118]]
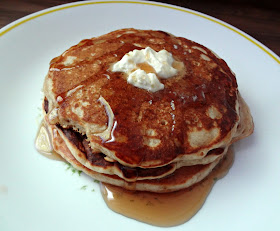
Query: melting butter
[[143, 67]]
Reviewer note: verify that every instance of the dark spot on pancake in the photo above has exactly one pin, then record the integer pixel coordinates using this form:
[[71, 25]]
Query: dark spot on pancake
[[131, 173], [163, 122], [74, 137], [216, 151], [164, 33], [80, 141], [46, 105]]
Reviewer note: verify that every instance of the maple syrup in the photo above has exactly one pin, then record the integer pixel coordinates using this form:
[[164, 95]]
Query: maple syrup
[[164, 209], [159, 209], [43, 143], [146, 67]]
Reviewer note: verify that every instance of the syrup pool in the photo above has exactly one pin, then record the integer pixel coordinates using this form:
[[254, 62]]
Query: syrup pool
[[164, 209]]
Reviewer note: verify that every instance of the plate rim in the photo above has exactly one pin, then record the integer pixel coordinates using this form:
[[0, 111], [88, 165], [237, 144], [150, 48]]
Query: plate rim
[[53, 9]]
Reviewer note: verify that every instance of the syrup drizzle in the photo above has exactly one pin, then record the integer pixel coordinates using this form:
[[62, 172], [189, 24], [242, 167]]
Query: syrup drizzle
[[164, 209]]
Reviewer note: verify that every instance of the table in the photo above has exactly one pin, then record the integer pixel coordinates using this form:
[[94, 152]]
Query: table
[[260, 19]]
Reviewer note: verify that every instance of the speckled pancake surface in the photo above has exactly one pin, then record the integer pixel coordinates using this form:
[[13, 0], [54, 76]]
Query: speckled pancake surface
[[196, 112]]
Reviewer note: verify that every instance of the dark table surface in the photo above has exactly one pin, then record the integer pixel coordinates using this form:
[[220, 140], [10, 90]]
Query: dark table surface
[[260, 19]]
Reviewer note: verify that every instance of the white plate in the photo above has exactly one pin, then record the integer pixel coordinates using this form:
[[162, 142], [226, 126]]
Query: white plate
[[40, 194]]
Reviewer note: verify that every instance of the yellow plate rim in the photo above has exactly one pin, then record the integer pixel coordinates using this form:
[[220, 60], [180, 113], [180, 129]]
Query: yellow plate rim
[[19, 22]]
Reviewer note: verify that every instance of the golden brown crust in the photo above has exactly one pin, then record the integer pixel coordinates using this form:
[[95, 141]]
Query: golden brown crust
[[196, 111]]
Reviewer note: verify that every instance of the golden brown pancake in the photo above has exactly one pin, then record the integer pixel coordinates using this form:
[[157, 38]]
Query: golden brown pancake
[[78, 146], [98, 162], [182, 178], [196, 112], [138, 139]]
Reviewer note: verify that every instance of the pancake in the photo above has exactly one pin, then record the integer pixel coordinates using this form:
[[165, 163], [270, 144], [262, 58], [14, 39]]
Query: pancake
[[182, 178], [160, 136], [196, 112], [81, 151], [79, 148]]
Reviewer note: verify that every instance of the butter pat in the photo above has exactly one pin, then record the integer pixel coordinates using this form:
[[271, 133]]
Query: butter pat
[[161, 62]]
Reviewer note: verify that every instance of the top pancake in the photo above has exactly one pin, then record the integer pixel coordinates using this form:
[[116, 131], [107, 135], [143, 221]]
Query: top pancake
[[197, 110]]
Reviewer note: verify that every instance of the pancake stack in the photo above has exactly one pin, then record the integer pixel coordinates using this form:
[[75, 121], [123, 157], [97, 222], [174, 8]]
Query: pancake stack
[[138, 139]]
